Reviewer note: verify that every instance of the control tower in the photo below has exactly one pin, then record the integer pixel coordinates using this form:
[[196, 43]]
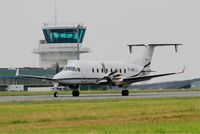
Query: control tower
[[62, 43]]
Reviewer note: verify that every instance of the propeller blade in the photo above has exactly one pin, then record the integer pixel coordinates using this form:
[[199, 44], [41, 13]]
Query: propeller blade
[[113, 73], [109, 76], [110, 85], [104, 68]]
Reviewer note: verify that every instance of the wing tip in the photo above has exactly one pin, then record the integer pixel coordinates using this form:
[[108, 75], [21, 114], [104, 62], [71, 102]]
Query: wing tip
[[17, 72]]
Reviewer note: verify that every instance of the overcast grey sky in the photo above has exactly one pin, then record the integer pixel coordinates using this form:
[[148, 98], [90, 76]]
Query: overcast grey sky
[[111, 24]]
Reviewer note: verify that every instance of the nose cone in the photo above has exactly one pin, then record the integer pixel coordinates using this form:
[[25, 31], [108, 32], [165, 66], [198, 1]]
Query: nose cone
[[59, 75]]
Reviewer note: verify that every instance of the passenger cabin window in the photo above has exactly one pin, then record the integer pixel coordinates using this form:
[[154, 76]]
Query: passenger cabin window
[[102, 70], [124, 70], [106, 69]]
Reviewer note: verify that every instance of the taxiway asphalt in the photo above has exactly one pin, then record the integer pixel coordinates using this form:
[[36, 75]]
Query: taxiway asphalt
[[100, 96]]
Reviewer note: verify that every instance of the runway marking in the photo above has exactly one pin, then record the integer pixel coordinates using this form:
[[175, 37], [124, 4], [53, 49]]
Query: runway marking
[[100, 96]]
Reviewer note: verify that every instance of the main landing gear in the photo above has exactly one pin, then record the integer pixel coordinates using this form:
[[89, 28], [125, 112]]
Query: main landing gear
[[125, 92], [75, 93]]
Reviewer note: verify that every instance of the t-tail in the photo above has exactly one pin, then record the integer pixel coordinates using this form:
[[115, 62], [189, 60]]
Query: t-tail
[[146, 58]]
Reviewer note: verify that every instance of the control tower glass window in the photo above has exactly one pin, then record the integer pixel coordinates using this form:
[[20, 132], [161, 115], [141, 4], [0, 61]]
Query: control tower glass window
[[72, 35]]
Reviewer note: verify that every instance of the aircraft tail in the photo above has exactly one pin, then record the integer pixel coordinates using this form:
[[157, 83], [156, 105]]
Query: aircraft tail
[[146, 58]]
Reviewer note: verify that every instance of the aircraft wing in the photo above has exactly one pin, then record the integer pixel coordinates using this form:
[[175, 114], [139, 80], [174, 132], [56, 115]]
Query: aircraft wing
[[33, 76], [36, 77], [144, 78]]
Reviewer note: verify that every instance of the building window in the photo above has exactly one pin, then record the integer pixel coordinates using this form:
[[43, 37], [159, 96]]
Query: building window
[[120, 70], [111, 70], [97, 70], [102, 70]]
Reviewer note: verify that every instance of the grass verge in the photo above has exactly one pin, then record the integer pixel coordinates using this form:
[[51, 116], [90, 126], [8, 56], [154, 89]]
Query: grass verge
[[166, 115]]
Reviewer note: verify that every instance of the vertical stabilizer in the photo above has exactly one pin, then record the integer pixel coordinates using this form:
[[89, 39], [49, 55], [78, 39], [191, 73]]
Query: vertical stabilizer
[[146, 58]]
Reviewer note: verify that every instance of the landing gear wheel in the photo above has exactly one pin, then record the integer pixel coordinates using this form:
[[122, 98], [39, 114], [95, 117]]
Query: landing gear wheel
[[75, 93], [55, 94], [125, 92]]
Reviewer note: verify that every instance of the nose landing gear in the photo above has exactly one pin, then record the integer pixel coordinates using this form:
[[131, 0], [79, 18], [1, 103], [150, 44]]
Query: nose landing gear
[[55, 94], [75, 91], [55, 87]]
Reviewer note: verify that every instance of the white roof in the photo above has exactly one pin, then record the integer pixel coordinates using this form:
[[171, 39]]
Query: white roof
[[61, 26]]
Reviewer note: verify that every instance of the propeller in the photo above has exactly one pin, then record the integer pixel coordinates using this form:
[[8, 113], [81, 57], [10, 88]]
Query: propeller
[[109, 76]]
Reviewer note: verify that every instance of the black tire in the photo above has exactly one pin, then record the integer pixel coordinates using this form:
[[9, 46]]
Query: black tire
[[125, 92], [55, 94], [75, 93]]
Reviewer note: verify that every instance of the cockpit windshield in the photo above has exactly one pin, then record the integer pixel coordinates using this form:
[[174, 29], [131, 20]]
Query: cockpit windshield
[[73, 69]]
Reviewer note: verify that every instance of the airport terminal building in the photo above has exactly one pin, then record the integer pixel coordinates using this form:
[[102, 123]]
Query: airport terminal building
[[7, 77], [61, 43]]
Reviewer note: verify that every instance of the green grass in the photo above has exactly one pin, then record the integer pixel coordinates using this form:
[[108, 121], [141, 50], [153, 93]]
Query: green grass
[[166, 115], [25, 93]]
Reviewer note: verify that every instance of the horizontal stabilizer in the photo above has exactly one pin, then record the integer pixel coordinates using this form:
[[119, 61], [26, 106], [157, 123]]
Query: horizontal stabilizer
[[153, 45], [138, 45]]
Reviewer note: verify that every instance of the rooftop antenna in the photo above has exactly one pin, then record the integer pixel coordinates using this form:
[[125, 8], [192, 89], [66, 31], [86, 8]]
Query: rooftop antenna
[[55, 17]]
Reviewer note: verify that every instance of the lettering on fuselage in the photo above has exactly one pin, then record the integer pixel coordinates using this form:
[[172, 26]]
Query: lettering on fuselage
[[132, 69], [74, 69]]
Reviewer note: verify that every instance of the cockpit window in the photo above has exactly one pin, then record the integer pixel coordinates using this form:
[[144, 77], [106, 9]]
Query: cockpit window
[[73, 69]]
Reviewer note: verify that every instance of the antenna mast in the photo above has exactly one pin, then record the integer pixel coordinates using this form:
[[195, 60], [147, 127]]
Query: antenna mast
[[55, 2]]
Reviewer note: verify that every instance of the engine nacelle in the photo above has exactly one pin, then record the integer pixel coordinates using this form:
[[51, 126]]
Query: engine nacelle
[[117, 79]]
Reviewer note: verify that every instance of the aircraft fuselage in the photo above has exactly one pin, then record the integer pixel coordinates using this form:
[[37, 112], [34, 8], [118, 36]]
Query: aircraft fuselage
[[89, 72]]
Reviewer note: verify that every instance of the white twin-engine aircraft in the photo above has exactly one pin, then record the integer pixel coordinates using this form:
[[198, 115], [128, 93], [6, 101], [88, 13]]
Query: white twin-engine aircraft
[[119, 74]]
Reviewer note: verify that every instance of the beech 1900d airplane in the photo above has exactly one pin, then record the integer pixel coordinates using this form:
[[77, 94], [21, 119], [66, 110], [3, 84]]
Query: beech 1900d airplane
[[119, 74]]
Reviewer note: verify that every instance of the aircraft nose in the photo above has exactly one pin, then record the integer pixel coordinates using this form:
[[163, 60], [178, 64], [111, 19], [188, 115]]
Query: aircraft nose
[[58, 76], [61, 75]]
